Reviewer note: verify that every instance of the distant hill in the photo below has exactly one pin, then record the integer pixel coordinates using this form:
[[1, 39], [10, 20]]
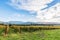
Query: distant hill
[[20, 22]]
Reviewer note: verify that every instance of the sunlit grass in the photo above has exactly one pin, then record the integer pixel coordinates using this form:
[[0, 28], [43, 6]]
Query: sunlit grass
[[36, 35], [30, 33]]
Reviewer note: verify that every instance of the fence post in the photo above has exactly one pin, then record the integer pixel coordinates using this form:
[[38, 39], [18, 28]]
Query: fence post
[[6, 30]]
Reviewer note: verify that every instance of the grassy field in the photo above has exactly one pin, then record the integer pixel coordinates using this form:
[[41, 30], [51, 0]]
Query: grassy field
[[53, 34], [41, 34]]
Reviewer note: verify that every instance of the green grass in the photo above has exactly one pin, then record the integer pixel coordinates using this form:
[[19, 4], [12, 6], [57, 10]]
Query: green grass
[[35, 35]]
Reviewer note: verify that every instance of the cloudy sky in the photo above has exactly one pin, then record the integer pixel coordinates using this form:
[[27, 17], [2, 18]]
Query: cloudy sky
[[30, 10]]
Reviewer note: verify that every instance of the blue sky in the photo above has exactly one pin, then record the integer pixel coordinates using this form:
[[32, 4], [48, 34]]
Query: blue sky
[[7, 11], [54, 2], [10, 13]]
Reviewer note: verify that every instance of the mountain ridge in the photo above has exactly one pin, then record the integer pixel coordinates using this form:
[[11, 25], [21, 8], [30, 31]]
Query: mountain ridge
[[20, 22]]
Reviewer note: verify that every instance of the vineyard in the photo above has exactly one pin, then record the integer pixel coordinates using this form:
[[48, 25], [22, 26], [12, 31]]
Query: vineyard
[[29, 32]]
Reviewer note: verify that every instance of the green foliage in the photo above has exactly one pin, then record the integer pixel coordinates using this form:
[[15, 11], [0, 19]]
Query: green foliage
[[36, 35], [30, 33]]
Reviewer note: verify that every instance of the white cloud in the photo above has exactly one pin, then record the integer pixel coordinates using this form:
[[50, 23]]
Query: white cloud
[[12, 17], [19, 17], [52, 14], [30, 5], [36, 5], [15, 17]]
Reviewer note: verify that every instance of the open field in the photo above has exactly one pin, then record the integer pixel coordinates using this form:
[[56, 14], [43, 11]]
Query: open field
[[19, 32], [35, 35]]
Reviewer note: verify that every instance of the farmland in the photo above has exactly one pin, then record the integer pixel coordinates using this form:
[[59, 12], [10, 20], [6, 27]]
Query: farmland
[[29, 32]]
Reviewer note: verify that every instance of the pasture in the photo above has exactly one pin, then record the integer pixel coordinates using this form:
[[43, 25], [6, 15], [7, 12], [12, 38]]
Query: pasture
[[29, 32]]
